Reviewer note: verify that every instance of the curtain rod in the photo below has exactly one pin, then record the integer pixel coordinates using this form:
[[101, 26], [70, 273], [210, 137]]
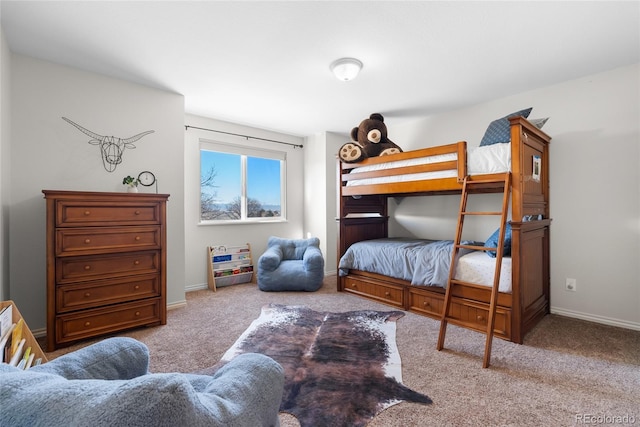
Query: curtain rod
[[245, 136]]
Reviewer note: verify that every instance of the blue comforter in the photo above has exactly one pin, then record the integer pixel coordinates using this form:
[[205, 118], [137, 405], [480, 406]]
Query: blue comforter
[[419, 261]]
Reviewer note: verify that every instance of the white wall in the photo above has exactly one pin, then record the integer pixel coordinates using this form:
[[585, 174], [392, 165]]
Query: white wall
[[321, 194], [594, 185], [49, 153], [198, 237], [5, 80]]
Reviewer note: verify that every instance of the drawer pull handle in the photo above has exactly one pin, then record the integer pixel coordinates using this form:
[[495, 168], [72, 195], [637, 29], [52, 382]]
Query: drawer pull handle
[[136, 262], [427, 304], [480, 318], [137, 313], [87, 267], [87, 241], [87, 324], [137, 212], [87, 213], [354, 286], [387, 294], [87, 294], [136, 287], [137, 238]]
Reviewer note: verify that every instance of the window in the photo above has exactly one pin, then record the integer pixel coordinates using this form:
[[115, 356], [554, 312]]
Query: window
[[240, 183]]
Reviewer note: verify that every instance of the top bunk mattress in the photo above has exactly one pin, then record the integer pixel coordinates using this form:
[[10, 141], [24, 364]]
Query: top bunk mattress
[[489, 159]]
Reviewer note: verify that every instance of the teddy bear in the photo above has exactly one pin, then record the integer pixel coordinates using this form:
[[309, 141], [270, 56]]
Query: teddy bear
[[369, 139]]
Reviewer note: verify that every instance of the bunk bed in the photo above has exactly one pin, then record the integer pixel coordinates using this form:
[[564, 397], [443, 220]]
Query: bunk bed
[[364, 189]]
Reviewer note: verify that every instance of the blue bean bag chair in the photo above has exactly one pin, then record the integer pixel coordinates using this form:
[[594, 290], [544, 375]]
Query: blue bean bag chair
[[108, 384], [291, 265]]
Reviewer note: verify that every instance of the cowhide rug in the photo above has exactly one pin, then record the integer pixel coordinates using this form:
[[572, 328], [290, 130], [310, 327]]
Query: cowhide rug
[[341, 369]]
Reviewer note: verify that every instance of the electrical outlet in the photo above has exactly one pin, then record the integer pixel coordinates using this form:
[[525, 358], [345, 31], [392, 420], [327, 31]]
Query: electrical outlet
[[570, 285]]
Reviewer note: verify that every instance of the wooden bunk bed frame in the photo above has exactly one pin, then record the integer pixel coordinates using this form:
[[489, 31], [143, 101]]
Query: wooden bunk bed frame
[[365, 217]]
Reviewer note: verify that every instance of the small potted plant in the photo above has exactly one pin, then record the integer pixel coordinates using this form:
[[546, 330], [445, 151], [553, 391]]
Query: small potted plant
[[131, 183]]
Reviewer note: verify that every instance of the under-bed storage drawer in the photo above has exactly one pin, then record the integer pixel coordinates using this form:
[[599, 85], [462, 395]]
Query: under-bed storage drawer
[[384, 293], [426, 303], [475, 315]]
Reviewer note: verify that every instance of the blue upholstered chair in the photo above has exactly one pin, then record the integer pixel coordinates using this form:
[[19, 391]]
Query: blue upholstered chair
[[291, 265]]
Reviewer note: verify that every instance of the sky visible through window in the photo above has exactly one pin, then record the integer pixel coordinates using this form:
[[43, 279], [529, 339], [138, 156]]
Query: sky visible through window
[[263, 178]]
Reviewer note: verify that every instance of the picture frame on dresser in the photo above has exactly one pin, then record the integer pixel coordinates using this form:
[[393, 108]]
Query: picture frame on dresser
[[106, 263]]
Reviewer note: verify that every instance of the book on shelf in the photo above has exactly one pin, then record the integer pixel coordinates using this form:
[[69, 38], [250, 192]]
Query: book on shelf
[[29, 362], [15, 358], [16, 336], [6, 320], [5, 345]]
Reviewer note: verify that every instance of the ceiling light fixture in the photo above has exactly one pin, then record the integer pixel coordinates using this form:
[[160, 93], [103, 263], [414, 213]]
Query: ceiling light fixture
[[346, 69]]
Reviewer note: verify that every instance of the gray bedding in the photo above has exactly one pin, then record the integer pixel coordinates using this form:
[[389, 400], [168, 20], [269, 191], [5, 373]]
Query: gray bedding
[[419, 261]]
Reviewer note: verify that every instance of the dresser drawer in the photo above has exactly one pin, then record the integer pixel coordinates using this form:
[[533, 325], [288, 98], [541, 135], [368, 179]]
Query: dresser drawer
[[72, 213], [76, 241], [89, 323], [104, 292], [384, 293], [475, 315], [426, 303], [84, 268]]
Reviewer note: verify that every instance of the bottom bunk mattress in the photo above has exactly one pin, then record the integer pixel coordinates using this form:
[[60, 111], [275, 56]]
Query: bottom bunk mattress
[[424, 262]]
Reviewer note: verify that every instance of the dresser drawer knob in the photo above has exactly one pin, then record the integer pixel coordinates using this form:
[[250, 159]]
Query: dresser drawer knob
[[87, 324], [87, 241], [387, 294], [87, 267], [427, 304], [480, 318], [354, 286], [137, 212], [87, 213], [137, 313], [136, 262], [136, 287], [137, 238], [87, 294]]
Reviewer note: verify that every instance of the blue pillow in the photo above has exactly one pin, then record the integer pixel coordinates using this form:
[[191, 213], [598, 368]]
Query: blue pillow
[[492, 242], [498, 130]]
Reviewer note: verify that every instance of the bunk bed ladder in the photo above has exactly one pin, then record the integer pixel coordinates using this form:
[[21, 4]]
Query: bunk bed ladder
[[470, 184]]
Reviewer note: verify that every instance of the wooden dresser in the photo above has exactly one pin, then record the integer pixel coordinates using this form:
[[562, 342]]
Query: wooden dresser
[[106, 263]]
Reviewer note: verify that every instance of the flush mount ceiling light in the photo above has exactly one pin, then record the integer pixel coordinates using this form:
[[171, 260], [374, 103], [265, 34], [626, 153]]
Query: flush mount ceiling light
[[346, 69]]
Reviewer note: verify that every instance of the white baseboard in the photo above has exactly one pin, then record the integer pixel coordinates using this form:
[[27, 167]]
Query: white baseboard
[[177, 304], [595, 318], [196, 287]]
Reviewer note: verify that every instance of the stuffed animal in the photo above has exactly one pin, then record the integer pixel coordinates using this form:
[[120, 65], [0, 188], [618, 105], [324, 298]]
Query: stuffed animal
[[368, 140]]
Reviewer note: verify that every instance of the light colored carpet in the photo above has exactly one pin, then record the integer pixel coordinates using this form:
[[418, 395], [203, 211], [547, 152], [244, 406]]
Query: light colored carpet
[[566, 373]]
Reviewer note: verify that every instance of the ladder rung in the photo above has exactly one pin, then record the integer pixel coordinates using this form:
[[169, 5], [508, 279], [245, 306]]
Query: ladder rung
[[480, 213], [475, 247], [499, 179], [472, 285], [465, 324]]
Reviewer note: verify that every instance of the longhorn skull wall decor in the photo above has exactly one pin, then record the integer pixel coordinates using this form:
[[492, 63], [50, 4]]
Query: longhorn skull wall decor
[[111, 148]]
